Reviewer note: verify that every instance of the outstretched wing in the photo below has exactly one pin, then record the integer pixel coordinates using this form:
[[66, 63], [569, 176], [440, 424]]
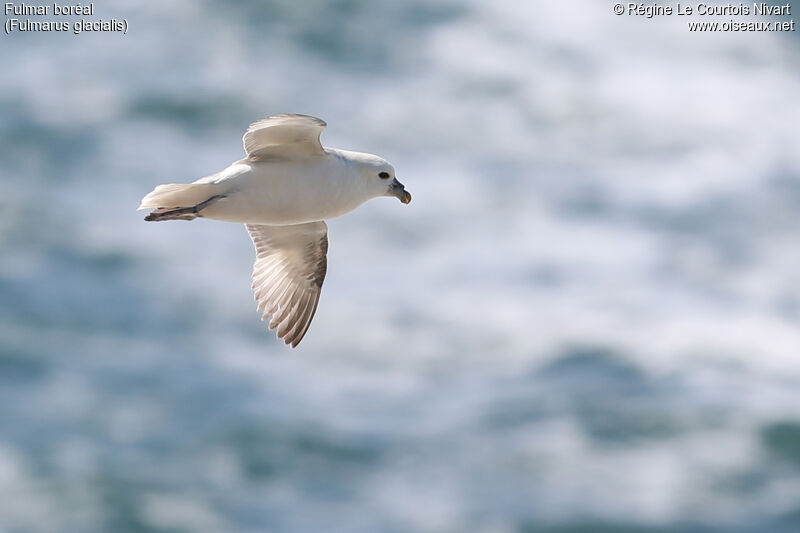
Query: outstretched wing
[[284, 136], [288, 273]]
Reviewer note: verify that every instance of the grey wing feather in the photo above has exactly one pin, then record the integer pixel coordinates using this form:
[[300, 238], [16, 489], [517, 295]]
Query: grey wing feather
[[284, 136], [288, 273]]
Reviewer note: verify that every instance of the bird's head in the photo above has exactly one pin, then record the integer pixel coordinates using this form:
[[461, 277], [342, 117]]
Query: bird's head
[[378, 176]]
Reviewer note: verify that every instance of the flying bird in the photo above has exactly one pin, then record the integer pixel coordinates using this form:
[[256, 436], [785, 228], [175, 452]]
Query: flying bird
[[283, 191]]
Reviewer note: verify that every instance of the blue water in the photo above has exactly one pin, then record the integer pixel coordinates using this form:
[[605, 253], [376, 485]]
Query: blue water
[[588, 319]]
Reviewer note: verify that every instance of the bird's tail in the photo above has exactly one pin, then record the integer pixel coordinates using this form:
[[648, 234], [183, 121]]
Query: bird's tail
[[179, 201]]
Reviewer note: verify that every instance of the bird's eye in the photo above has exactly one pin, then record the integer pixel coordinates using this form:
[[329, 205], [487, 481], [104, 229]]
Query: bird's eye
[[384, 175]]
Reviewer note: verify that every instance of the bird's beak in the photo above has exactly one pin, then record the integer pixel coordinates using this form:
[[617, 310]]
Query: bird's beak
[[398, 189]]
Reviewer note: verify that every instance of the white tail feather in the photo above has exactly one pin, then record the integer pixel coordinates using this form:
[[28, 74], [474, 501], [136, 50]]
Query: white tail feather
[[179, 195]]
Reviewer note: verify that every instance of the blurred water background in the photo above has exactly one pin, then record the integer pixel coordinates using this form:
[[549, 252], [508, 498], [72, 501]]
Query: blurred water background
[[588, 319]]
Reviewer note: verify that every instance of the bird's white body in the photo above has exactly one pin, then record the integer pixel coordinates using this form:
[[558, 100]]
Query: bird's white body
[[283, 191], [280, 192]]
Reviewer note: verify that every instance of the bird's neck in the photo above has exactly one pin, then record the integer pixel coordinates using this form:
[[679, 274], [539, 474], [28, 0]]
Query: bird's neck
[[348, 190]]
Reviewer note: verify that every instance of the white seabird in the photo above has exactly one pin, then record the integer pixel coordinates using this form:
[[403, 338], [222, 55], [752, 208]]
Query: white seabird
[[283, 191]]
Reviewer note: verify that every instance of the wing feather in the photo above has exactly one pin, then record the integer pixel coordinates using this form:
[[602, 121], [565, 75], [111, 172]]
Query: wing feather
[[284, 307], [288, 273], [282, 136], [303, 313]]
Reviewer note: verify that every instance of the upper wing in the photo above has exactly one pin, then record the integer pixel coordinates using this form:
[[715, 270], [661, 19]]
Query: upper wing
[[284, 136], [288, 273]]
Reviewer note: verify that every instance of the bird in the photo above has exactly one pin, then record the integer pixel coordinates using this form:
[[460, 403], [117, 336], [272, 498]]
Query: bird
[[284, 189]]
